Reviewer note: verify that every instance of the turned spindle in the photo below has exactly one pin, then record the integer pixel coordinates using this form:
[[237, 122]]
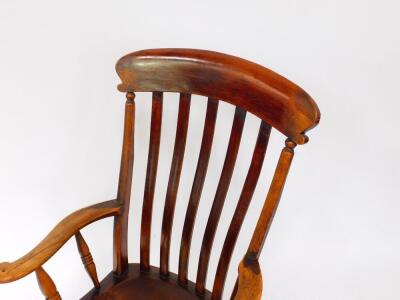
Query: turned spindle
[[87, 258], [46, 284]]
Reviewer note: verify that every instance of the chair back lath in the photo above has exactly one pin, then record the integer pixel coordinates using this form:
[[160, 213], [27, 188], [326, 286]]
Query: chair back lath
[[251, 88]]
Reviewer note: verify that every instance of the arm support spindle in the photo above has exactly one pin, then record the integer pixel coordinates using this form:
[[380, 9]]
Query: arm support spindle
[[87, 258], [56, 239], [47, 285], [250, 279]]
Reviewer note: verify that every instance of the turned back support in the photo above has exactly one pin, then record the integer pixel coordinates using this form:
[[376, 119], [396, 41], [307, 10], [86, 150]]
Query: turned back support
[[251, 88]]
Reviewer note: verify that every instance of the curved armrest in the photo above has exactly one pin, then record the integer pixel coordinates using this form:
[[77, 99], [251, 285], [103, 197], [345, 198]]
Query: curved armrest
[[250, 281], [56, 239]]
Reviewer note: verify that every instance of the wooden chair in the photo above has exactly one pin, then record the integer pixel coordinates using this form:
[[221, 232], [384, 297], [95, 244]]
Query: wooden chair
[[252, 88]]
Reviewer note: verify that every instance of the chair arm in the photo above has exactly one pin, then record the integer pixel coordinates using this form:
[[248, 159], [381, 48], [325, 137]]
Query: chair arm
[[61, 233], [250, 282]]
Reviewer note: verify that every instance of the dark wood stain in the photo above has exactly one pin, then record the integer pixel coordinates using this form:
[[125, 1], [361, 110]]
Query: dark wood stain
[[200, 175], [219, 199], [173, 183], [241, 209], [273, 98], [278, 102]]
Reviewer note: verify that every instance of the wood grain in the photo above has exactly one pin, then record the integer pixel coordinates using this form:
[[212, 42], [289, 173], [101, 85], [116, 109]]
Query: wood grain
[[56, 239], [250, 281], [219, 199], [241, 209], [254, 88], [138, 285], [173, 182], [152, 163], [272, 200], [197, 188], [47, 285], [87, 258]]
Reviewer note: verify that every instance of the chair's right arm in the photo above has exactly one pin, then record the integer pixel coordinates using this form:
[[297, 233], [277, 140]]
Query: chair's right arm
[[61, 233]]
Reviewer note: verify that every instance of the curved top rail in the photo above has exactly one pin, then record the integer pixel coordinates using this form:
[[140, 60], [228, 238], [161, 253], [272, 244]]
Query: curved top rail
[[271, 97]]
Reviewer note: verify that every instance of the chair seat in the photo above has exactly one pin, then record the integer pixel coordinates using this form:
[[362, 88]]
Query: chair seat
[[136, 285]]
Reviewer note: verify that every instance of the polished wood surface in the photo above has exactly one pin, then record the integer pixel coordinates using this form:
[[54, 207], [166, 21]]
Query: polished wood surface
[[241, 209], [139, 285], [273, 98], [252, 89], [219, 199], [120, 243], [272, 200], [150, 183], [46, 285], [87, 258], [173, 182], [56, 239], [197, 188]]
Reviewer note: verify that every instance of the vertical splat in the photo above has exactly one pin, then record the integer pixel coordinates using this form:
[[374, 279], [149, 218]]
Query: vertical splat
[[197, 187], [150, 183], [173, 182], [219, 199], [266, 217], [241, 209]]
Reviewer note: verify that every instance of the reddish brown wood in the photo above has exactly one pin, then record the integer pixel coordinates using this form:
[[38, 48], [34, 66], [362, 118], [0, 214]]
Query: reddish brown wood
[[250, 278], [61, 233], [249, 284], [124, 188], [47, 285], [272, 201], [87, 258], [254, 88], [219, 199], [173, 183], [251, 88], [200, 175], [152, 162], [143, 286], [241, 209]]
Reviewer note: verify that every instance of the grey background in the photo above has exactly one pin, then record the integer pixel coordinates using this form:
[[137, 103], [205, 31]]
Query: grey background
[[336, 233]]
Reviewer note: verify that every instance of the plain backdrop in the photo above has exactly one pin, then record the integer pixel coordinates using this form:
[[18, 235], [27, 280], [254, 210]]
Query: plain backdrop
[[336, 233]]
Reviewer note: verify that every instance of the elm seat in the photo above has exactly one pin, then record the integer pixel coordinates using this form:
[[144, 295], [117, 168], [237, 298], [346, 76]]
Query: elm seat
[[251, 88], [137, 285]]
